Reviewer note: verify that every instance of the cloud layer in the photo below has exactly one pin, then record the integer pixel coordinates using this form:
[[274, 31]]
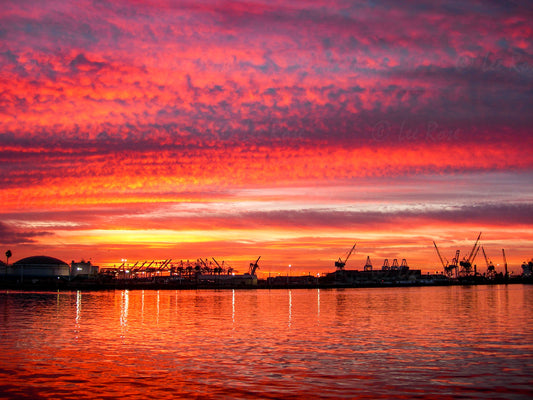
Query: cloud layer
[[132, 105]]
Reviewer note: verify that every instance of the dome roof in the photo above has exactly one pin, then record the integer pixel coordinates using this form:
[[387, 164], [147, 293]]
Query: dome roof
[[40, 260]]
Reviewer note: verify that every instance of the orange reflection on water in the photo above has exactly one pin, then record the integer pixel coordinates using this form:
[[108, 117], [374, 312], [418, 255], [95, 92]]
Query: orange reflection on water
[[380, 343]]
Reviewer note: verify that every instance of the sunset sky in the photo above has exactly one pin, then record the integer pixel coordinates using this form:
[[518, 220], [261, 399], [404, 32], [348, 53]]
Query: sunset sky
[[283, 129]]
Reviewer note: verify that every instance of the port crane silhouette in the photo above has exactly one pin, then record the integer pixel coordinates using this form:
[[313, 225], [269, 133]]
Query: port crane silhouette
[[368, 264], [339, 263], [254, 267], [505, 263], [490, 266], [450, 269], [218, 269], [466, 263]]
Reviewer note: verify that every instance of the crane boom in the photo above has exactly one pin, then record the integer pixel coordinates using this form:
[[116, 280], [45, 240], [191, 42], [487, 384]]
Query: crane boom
[[485, 255], [470, 259], [254, 266], [139, 267], [444, 265], [475, 254], [339, 263], [163, 264], [218, 269], [504, 258], [350, 253]]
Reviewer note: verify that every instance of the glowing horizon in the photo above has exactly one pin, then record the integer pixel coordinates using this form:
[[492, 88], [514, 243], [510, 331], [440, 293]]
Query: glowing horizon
[[156, 130]]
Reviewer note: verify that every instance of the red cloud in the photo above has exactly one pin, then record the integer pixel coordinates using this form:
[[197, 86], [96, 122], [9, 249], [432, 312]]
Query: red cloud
[[145, 103]]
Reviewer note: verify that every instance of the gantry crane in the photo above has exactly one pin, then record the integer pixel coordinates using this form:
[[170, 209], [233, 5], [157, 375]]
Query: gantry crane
[[454, 265], [135, 269], [339, 263], [164, 265], [368, 264], [218, 270], [449, 268], [230, 270], [254, 267], [446, 266], [505, 263], [466, 263], [204, 267], [490, 266]]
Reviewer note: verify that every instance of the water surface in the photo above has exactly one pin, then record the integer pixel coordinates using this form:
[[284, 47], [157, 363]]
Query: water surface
[[423, 342]]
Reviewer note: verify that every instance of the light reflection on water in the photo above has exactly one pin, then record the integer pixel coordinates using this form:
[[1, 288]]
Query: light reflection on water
[[433, 342]]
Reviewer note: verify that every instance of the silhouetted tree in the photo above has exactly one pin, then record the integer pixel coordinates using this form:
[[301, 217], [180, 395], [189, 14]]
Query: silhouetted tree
[[8, 255]]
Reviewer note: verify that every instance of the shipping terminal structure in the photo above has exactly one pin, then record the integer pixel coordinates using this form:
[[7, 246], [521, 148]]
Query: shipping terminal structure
[[43, 272]]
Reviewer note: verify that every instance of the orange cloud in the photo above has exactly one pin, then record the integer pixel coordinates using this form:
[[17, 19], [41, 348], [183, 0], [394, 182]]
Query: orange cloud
[[252, 128]]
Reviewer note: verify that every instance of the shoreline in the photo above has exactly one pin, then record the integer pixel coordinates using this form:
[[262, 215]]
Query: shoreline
[[132, 284]]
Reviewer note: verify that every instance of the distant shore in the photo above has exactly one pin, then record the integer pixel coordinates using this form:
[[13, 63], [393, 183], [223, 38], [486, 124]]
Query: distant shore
[[170, 284]]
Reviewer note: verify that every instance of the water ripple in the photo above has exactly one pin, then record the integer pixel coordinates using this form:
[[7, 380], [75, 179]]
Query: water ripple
[[438, 343]]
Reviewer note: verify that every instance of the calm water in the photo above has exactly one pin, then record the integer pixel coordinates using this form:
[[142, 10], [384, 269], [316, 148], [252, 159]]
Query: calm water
[[431, 342]]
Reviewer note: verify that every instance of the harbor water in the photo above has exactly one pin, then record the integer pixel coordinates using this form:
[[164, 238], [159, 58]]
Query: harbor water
[[416, 342]]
